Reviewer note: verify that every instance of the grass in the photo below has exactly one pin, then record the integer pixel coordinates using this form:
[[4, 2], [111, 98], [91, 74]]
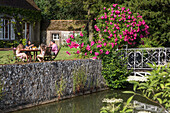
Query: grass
[[7, 57]]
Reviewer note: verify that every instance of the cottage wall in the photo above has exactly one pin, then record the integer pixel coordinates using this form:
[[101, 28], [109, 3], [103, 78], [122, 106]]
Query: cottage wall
[[63, 35]]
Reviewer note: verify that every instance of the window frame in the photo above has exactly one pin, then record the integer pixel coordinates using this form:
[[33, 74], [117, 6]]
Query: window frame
[[55, 36], [11, 33]]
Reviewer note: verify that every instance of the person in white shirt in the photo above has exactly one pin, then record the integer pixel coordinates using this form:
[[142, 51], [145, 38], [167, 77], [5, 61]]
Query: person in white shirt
[[22, 56], [41, 55]]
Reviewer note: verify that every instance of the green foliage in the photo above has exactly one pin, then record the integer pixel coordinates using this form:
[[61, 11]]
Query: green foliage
[[9, 44], [79, 79], [115, 70], [113, 105], [156, 89], [20, 15], [29, 15], [60, 9], [23, 41], [150, 42], [72, 9], [156, 13], [60, 86], [5, 44]]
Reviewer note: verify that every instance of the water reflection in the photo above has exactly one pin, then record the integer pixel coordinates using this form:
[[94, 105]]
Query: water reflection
[[83, 104]]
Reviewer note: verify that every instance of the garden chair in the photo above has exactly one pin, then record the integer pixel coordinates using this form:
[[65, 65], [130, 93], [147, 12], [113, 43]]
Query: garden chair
[[48, 55], [53, 57]]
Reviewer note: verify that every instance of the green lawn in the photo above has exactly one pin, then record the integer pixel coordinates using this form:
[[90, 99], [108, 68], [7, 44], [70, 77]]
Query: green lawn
[[7, 57]]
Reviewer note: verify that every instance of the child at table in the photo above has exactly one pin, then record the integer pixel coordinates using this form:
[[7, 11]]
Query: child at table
[[29, 46], [19, 54], [41, 55]]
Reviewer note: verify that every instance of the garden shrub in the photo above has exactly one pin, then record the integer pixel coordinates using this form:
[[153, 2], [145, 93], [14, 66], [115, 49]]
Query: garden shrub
[[115, 70], [9, 44], [115, 27], [157, 15]]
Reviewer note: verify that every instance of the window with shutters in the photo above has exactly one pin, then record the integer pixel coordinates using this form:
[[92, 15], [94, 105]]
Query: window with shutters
[[6, 29]]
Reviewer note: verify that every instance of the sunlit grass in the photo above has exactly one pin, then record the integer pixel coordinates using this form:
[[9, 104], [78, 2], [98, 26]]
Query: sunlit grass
[[7, 57], [64, 56]]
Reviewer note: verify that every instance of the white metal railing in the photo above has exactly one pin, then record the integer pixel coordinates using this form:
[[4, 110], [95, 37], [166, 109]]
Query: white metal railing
[[139, 57]]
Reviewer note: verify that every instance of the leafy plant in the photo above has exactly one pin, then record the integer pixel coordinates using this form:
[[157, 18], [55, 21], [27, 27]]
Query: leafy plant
[[112, 106], [29, 15], [156, 89], [115, 70], [150, 42], [1, 87], [156, 14], [60, 87], [79, 79], [10, 44]]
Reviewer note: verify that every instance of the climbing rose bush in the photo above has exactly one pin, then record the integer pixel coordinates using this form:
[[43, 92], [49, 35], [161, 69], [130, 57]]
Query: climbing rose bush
[[115, 26]]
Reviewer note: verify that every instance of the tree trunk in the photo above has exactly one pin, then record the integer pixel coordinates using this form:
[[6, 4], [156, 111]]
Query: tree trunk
[[90, 23]]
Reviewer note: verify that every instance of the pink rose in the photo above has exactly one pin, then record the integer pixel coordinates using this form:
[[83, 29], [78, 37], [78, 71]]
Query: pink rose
[[88, 48], [91, 51], [78, 52], [68, 40], [82, 44], [68, 53], [72, 36], [116, 39], [92, 43], [95, 57], [112, 44], [107, 52], [101, 51], [99, 46], [114, 5], [96, 53], [75, 45], [81, 34], [99, 41]]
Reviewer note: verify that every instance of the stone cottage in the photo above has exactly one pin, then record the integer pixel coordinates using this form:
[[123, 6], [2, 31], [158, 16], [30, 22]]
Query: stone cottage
[[19, 18], [60, 30]]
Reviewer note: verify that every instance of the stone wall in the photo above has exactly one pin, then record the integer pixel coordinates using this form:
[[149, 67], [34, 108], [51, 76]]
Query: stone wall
[[32, 84]]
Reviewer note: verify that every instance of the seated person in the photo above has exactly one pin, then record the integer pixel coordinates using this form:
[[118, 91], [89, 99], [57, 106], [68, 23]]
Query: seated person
[[54, 49], [19, 54], [41, 55], [29, 46]]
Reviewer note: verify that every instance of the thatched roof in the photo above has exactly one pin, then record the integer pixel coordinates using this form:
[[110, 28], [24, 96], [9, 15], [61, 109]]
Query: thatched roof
[[25, 4], [66, 25]]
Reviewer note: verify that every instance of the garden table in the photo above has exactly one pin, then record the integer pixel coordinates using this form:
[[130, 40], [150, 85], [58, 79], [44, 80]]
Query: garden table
[[35, 51]]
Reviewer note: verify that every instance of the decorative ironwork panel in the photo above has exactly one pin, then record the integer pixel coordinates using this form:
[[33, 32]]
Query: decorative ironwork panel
[[138, 58]]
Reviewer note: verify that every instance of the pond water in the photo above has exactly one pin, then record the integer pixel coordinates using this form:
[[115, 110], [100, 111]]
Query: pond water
[[91, 103]]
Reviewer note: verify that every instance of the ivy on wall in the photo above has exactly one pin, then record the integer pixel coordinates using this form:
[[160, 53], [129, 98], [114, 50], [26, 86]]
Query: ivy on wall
[[21, 15], [27, 14]]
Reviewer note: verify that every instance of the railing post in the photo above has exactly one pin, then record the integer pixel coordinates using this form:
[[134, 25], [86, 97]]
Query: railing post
[[165, 55], [142, 59], [159, 56], [134, 59]]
